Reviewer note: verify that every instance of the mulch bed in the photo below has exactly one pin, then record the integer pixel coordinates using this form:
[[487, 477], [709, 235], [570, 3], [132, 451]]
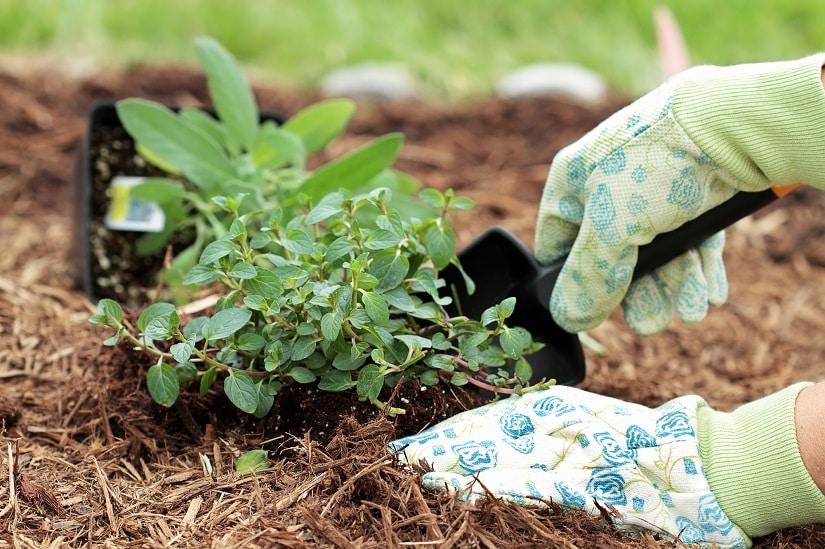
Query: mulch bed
[[88, 460]]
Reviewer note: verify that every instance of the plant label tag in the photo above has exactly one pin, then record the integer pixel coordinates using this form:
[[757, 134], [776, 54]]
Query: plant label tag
[[127, 213]]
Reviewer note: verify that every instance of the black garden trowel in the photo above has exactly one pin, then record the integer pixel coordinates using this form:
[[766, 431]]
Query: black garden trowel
[[501, 267]]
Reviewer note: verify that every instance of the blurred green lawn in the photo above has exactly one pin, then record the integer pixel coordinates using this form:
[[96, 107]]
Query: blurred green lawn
[[458, 48]]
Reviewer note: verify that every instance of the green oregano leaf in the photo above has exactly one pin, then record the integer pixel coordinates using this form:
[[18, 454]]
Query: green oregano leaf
[[242, 391], [215, 251], [265, 400], [331, 325], [376, 307], [225, 323], [182, 351], [252, 461], [152, 312], [301, 374], [335, 381], [163, 384], [370, 382], [109, 313], [440, 243]]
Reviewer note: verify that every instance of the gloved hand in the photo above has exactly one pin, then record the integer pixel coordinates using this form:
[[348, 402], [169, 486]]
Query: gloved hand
[[573, 447], [677, 152]]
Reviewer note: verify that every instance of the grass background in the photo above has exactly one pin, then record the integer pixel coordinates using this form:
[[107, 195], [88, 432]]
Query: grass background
[[457, 48]]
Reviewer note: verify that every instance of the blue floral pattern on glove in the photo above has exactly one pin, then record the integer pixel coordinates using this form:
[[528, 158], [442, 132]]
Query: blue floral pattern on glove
[[613, 451], [516, 425], [581, 450], [674, 424], [552, 405], [569, 497], [637, 437], [607, 486], [711, 516], [636, 175], [476, 456]]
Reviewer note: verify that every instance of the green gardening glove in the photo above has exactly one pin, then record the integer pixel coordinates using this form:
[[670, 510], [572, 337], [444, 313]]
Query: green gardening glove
[[686, 147]]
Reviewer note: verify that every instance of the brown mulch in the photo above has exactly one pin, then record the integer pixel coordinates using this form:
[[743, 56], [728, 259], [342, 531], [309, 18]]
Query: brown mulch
[[87, 460]]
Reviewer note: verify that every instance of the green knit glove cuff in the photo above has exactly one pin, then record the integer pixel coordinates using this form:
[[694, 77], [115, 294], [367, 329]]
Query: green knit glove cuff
[[764, 123], [753, 466]]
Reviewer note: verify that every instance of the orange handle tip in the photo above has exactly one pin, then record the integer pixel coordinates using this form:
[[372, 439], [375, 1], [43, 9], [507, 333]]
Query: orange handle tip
[[782, 190]]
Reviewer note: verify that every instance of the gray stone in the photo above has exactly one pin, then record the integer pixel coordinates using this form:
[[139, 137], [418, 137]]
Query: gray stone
[[371, 80], [566, 79]]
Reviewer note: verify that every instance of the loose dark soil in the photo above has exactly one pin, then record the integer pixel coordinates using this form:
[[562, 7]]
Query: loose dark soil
[[89, 460]]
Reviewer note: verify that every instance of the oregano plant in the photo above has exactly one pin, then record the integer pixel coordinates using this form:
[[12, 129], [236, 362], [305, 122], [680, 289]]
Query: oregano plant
[[234, 154], [345, 296]]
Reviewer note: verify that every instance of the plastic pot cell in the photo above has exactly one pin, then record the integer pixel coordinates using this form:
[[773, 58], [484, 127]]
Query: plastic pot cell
[[109, 223]]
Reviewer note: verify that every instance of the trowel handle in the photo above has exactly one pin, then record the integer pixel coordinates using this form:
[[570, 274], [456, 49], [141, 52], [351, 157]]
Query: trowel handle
[[672, 244]]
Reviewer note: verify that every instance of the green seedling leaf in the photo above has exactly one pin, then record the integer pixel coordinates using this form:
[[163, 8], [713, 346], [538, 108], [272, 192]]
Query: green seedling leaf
[[156, 161], [161, 328], [390, 268], [489, 316], [207, 380], [265, 400], [225, 323], [398, 298], [112, 341], [335, 381], [215, 251], [513, 341], [348, 361], [462, 203], [302, 348], [202, 275], [429, 377], [193, 329], [242, 391], [440, 243], [370, 382], [265, 284], [330, 205], [441, 362], [301, 374], [433, 197], [182, 352], [155, 189], [205, 122], [109, 313], [176, 142], [377, 308], [523, 369], [355, 169], [382, 239], [331, 325], [277, 148], [163, 384], [459, 378], [414, 342], [506, 307], [299, 240], [230, 92], [321, 123], [243, 271], [254, 461], [251, 342], [186, 372], [153, 312]]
